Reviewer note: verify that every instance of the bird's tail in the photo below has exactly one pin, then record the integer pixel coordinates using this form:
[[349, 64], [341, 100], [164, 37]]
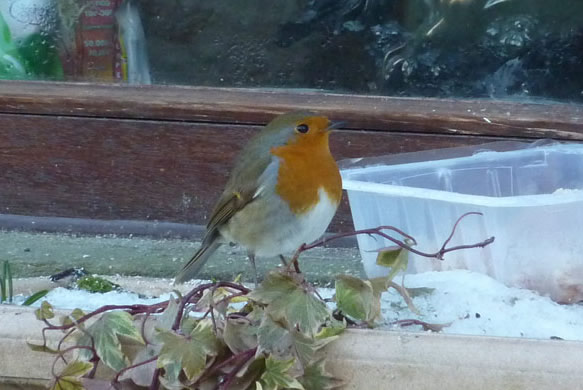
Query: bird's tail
[[191, 269]]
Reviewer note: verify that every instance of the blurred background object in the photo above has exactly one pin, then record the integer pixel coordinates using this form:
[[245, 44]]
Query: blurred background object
[[100, 40], [433, 48]]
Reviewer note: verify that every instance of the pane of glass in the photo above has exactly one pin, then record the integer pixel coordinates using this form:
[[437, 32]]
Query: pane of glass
[[442, 48]]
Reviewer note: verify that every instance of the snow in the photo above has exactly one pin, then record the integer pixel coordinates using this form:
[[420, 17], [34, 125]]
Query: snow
[[476, 304], [63, 298], [473, 303]]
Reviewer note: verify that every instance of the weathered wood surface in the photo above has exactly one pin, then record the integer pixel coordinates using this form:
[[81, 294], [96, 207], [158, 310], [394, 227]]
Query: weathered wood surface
[[248, 106], [163, 153], [96, 168]]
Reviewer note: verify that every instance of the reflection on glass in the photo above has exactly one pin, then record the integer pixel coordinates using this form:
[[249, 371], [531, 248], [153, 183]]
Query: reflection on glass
[[73, 40], [461, 48]]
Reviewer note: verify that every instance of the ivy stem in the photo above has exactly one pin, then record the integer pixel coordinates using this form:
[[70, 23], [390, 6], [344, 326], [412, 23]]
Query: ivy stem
[[225, 363], [198, 291], [379, 231], [244, 357], [61, 353], [155, 384], [124, 370]]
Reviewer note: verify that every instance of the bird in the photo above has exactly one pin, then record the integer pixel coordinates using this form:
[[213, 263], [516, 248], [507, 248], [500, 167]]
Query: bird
[[283, 192]]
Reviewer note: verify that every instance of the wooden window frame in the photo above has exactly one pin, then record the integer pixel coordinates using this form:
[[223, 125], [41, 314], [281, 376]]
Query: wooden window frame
[[162, 153]]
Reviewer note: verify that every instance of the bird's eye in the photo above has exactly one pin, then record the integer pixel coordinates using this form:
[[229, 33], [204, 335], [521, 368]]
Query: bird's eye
[[303, 128]]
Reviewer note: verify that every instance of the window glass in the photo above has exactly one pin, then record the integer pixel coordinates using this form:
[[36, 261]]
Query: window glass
[[442, 48]]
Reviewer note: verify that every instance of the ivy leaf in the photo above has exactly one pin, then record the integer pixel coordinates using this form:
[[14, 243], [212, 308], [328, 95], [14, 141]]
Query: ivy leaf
[[68, 383], [70, 377], [42, 348], [292, 302], [239, 334], [331, 329], [142, 374], [395, 258], [106, 332], [246, 377], [276, 375], [77, 368], [189, 353], [211, 297], [44, 312], [166, 320], [73, 318], [274, 339], [316, 378], [283, 343], [305, 347], [356, 298]]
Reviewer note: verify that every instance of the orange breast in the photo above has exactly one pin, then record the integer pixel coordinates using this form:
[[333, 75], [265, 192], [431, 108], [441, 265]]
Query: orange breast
[[306, 166]]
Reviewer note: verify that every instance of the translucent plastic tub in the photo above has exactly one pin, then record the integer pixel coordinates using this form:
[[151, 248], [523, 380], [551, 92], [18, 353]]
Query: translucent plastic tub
[[531, 198]]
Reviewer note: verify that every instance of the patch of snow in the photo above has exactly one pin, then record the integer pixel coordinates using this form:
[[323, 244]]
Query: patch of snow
[[474, 304], [63, 298], [567, 191]]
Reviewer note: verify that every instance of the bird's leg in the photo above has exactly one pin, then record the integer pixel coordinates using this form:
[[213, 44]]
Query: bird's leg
[[297, 266], [294, 260], [283, 260], [251, 257]]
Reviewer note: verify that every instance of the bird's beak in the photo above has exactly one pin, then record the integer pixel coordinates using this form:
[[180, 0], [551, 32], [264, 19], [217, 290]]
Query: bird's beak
[[336, 125]]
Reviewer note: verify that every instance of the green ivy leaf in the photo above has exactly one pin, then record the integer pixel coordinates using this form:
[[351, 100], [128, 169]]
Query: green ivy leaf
[[142, 374], [290, 301], [283, 343], [106, 332], [73, 318], [331, 329], [276, 375], [305, 347], [67, 383], [316, 378], [189, 353], [44, 312], [210, 298], [69, 378], [244, 379], [77, 368], [166, 320], [42, 348], [395, 258], [239, 334], [356, 298], [274, 338]]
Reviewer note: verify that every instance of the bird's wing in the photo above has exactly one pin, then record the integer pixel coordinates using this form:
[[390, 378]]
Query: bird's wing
[[243, 188]]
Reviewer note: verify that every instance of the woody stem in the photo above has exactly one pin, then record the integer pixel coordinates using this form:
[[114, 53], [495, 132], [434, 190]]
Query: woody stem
[[380, 231]]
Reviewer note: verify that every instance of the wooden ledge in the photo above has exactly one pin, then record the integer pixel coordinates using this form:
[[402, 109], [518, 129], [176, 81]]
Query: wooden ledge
[[369, 359], [531, 119]]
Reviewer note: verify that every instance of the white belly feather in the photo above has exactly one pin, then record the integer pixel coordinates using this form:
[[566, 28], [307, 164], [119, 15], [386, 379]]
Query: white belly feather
[[267, 227]]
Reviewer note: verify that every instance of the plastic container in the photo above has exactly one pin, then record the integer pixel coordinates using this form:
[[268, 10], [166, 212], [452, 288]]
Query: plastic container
[[531, 198]]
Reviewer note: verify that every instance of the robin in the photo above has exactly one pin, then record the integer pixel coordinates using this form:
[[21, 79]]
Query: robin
[[283, 192]]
